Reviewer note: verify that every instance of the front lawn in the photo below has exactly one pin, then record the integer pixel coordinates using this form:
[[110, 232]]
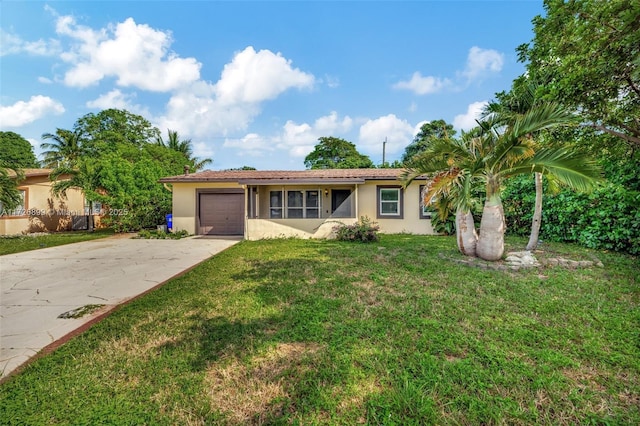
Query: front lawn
[[323, 332], [20, 243]]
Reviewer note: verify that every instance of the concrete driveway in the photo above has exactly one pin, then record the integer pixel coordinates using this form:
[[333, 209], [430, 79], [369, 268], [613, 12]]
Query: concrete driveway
[[37, 286]]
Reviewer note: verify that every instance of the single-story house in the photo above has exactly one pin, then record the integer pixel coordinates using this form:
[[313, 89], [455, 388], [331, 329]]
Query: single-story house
[[40, 210], [305, 203]]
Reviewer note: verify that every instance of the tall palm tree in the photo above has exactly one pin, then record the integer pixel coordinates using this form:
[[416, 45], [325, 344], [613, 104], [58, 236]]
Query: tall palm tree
[[65, 148], [184, 147], [501, 151]]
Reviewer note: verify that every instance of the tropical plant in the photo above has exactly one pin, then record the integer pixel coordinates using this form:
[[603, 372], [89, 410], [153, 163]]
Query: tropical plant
[[64, 150], [184, 147], [491, 154]]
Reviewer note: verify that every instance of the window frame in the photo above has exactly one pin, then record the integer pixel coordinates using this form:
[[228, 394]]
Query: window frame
[[423, 214], [399, 202], [303, 209]]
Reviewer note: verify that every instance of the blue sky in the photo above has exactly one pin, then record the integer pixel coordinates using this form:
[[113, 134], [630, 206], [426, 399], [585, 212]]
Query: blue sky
[[257, 83]]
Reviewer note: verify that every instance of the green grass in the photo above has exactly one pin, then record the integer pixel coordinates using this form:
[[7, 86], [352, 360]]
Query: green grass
[[20, 243], [324, 332]]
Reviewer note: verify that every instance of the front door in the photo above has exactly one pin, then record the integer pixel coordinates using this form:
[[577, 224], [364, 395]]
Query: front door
[[340, 203]]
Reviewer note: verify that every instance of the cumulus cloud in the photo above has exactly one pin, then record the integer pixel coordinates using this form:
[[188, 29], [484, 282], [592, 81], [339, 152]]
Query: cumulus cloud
[[113, 99], [22, 112], [253, 77], [13, 44], [135, 54], [423, 85], [481, 62], [251, 144], [398, 133], [467, 120]]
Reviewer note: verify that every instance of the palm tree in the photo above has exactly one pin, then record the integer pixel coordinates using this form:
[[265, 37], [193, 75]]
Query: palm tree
[[184, 147], [511, 105], [65, 149], [497, 152], [454, 166]]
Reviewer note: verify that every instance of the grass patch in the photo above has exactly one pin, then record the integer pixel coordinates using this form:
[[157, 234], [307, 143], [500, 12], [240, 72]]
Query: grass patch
[[19, 243], [326, 332]]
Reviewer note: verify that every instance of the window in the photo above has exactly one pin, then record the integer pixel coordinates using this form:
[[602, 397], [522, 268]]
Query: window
[[96, 207], [425, 212], [299, 204], [390, 202], [303, 204], [275, 204], [20, 209]]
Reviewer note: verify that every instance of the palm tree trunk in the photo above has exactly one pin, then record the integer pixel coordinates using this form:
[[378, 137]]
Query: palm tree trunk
[[492, 227], [537, 215], [466, 234]]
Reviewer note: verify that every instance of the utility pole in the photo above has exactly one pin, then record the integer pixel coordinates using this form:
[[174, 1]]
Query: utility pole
[[384, 151]]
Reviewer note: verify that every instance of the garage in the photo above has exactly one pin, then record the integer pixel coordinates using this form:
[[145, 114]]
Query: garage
[[221, 213]]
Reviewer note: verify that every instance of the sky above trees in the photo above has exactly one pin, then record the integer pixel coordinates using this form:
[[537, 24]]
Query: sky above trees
[[257, 83]]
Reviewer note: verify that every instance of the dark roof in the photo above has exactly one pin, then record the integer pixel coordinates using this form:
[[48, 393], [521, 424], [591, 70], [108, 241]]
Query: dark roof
[[257, 177]]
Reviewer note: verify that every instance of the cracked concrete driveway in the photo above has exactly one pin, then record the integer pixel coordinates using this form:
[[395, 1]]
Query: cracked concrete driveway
[[37, 286]]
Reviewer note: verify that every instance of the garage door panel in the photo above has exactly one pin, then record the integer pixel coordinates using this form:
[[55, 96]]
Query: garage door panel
[[221, 214]]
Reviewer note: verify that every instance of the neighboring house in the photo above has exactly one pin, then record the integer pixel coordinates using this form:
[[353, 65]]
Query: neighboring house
[[307, 204], [40, 210]]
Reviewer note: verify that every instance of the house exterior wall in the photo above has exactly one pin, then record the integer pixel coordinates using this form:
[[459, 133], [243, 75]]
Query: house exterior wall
[[409, 223], [184, 203], [364, 201], [42, 211]]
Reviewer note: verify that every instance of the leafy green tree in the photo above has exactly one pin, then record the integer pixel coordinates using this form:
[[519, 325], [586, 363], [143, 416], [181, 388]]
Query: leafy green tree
[[185, 148], [436, 129], [589, 51], [16, 152], [336, 153], [114, 158], [491, 154], [112, 126]]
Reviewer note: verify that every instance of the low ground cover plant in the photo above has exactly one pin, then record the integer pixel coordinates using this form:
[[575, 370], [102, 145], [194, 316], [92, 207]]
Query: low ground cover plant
[[289, 331], [153, 234]]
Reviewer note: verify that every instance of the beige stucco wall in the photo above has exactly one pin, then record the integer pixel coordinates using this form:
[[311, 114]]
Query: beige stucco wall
[[410, 223], [43, 211], [364, 195]]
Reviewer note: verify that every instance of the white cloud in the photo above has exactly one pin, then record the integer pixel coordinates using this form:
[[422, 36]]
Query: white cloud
[[13, 44], [44, 80], [202, 150], [423, 85], [251, 144], [481, 62], [398, 133], [136, 55], [467, 120], [253, 77], [203, 109], [113, 99], [22, 112]]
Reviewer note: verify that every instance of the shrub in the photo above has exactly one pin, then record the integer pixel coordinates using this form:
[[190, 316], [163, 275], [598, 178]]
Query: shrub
[[364, 231], [608, 218]]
